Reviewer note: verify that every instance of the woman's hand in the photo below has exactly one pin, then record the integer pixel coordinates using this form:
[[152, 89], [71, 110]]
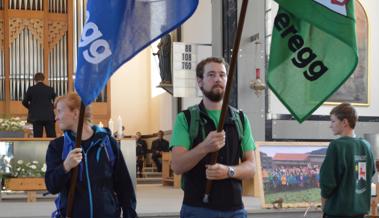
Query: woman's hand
[[73, 159]]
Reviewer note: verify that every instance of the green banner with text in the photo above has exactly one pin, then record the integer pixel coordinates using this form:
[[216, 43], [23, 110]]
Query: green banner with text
[[313, 52]]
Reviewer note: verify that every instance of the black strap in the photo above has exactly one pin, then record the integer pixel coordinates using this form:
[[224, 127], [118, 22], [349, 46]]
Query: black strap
[[187, 114], [242, 118]]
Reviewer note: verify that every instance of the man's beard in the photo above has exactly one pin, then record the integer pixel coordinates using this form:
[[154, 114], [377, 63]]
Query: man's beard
[[215, 97]]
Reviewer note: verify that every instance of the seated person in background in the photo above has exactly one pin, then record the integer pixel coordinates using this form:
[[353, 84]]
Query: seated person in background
[[141, 151], [159, 145]]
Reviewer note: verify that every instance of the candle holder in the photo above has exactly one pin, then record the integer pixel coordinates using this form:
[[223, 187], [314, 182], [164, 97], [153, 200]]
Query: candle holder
[[257, 85]]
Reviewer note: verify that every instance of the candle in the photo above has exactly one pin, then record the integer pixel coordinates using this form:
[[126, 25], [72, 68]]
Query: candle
[[373, 190], [110, 125], [119, 127], [101, 124]]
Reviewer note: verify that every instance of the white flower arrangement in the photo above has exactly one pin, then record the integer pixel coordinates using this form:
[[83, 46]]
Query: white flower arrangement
[[12, 124], [22, 168]]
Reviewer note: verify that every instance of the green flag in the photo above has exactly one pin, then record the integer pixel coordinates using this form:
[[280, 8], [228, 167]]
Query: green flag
[[313, 52]]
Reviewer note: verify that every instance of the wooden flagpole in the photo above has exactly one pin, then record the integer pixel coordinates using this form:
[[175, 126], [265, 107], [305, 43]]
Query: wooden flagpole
[[74, 172], [233, 63]]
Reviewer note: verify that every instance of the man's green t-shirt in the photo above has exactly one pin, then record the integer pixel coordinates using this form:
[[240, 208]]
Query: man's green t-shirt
[[180, 135]]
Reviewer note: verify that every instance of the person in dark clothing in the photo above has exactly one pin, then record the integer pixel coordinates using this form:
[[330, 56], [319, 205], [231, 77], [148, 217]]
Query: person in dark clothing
[[141, 151], [104, 187], [159, 145], [39, 100], [191, 157]]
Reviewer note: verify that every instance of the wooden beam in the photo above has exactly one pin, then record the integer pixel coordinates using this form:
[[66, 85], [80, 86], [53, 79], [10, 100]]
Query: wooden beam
[[26, 14], [70, 43], [45, 46], [6, 57]]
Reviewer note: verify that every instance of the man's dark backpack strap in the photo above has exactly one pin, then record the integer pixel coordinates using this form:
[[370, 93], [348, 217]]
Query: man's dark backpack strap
[[192, 115], [238, 119]]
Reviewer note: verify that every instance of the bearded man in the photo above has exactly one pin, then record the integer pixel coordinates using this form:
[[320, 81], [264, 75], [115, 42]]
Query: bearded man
[[195, 137]]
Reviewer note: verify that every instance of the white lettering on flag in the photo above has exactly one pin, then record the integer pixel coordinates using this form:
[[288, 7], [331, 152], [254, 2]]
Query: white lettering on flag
[[99, 48], [338, 8]]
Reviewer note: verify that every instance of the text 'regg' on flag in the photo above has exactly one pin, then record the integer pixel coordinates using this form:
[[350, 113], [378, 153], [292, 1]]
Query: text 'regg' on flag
[[313, 52]]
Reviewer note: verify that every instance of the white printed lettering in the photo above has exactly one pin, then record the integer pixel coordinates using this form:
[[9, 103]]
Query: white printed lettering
[[99, 49]]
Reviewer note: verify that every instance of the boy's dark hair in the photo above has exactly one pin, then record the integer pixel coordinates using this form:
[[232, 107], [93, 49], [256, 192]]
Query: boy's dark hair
[[201, 64], [39, 77], [345, 111]]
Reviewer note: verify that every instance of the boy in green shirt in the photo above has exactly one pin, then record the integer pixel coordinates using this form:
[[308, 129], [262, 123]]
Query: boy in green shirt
[[345, 175]]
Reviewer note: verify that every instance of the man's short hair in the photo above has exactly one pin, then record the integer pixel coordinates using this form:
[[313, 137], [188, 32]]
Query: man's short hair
[[345, 111], [39, 77], [201, 64]]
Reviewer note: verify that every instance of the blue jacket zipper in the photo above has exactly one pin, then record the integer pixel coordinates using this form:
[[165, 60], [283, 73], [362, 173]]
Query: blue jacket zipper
[[88, 178]]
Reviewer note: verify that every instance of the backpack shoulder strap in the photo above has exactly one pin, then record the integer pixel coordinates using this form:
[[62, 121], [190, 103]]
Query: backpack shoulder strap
[[109, 150], [192, 115], [238, 119], [68, 144], [242, 119]]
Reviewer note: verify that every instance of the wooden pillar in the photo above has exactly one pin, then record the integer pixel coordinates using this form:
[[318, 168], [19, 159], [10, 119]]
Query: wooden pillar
[[31, 196], [45, 40], [6, 57], [70, 43]]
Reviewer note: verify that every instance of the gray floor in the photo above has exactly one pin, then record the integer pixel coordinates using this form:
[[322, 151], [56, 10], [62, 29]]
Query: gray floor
[[152, 201]]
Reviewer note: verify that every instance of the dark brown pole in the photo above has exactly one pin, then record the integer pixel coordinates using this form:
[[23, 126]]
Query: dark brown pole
[[233, 63], [74, 172]]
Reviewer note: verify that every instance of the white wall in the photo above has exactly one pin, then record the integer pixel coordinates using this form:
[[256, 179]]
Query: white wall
[[134, 95], [250, 57], [160, 113], [198, 29], [371, 8], [130, 94]]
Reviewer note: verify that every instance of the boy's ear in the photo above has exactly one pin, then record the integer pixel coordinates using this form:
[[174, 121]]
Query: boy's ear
[[76, 113], [345, 123]]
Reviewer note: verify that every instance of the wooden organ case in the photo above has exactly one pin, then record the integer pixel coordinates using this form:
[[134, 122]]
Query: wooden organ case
[[41, 36]]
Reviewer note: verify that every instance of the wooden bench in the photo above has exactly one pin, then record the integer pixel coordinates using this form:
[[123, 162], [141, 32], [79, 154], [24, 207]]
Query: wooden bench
[[29, 185], [168, 176]]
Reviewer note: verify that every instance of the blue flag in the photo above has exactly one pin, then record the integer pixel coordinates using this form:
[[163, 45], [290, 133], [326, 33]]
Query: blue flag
[[115, 31]]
